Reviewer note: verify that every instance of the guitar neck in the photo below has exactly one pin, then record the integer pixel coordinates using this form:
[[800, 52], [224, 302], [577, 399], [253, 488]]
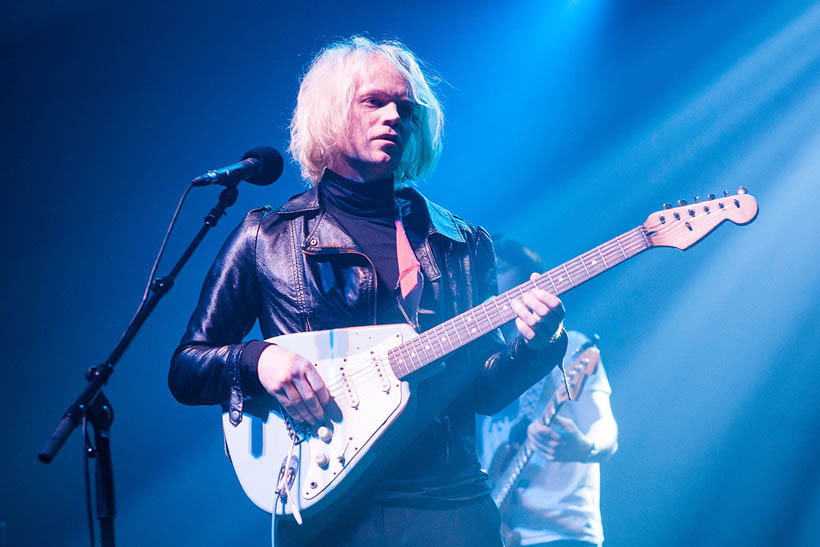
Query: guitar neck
[[462, 329], [507, 481]]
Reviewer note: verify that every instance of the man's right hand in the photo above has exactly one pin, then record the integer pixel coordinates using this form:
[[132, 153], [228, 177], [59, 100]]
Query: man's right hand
[[561, 441], [295, 383]]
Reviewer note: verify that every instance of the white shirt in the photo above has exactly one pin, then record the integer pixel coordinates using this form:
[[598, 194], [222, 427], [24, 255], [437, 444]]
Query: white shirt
[[554, 500]]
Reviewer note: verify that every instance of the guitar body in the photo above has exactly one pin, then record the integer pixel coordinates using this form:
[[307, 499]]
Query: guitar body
[[367, 401]]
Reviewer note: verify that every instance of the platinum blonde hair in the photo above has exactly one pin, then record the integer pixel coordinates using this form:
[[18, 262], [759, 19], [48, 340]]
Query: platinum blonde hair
[[325, 97]]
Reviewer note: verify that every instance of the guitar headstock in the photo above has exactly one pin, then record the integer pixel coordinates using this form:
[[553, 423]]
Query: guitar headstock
[[583, 365], [685, 225]]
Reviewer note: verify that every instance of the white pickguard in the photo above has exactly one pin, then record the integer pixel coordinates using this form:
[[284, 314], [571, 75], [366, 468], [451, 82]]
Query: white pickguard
[[370, 398]]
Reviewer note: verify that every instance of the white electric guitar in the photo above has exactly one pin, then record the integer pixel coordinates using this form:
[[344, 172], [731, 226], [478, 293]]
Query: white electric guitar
[[370, 373]]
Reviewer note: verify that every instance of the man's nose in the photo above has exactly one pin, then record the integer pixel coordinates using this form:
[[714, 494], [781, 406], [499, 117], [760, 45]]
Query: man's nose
[[391, 113]]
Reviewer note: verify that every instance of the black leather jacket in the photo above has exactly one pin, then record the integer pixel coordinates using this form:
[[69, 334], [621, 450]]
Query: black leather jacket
[[295, 269]]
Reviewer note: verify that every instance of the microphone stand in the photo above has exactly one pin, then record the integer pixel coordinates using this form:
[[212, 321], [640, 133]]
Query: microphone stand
[[92, 405]]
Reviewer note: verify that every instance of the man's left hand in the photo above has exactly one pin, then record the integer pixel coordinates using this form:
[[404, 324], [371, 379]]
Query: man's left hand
[[540, 317]]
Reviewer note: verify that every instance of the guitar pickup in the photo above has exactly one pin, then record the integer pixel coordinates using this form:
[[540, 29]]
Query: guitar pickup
[[352, 397], [383, 378]]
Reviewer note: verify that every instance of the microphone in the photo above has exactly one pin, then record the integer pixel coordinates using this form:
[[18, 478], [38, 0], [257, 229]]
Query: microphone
[[260, 166]]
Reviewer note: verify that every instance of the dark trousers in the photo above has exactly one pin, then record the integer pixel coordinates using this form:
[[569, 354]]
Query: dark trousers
[[473, 523]]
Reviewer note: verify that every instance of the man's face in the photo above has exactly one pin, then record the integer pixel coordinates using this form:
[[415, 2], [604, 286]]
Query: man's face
[[381, 121]]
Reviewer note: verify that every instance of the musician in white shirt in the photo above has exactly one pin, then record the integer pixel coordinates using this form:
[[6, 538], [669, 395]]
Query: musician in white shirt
[[557, 499]]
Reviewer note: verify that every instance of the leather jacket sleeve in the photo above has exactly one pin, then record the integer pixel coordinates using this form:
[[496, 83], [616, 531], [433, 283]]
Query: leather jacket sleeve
[[212, 365], [512, 368]]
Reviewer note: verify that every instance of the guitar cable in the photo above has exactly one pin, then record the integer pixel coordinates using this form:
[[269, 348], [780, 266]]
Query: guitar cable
[[286, 475]]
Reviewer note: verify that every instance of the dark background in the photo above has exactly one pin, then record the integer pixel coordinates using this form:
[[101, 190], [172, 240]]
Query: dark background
[[568, 123]]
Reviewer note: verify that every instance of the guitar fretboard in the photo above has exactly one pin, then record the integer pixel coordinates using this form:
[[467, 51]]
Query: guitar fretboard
[[454, 333], [510, 476]]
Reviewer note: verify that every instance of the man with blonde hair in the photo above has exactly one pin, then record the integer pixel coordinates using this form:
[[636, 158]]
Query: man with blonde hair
[[363, 247]]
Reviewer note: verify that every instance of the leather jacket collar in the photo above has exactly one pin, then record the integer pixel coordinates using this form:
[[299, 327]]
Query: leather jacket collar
[[412, 203]]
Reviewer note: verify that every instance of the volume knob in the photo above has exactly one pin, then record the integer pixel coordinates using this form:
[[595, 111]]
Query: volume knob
[[324, 434], [322, 460]]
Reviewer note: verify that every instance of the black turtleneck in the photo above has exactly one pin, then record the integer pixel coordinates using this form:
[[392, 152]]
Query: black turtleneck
[[367, 211]]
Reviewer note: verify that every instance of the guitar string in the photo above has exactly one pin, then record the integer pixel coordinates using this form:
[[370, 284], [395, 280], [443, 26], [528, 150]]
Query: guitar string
[[636, 241], [365, 380], [574, 268], [575, 271], [425, 341], [577, 265], [367, 388], [357, 371]]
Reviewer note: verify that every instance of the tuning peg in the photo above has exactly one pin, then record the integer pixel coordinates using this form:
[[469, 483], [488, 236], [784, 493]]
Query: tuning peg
[[697, 199], [741, 190], [667, 205], [711, 197], [681, 202], [726, 193]]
